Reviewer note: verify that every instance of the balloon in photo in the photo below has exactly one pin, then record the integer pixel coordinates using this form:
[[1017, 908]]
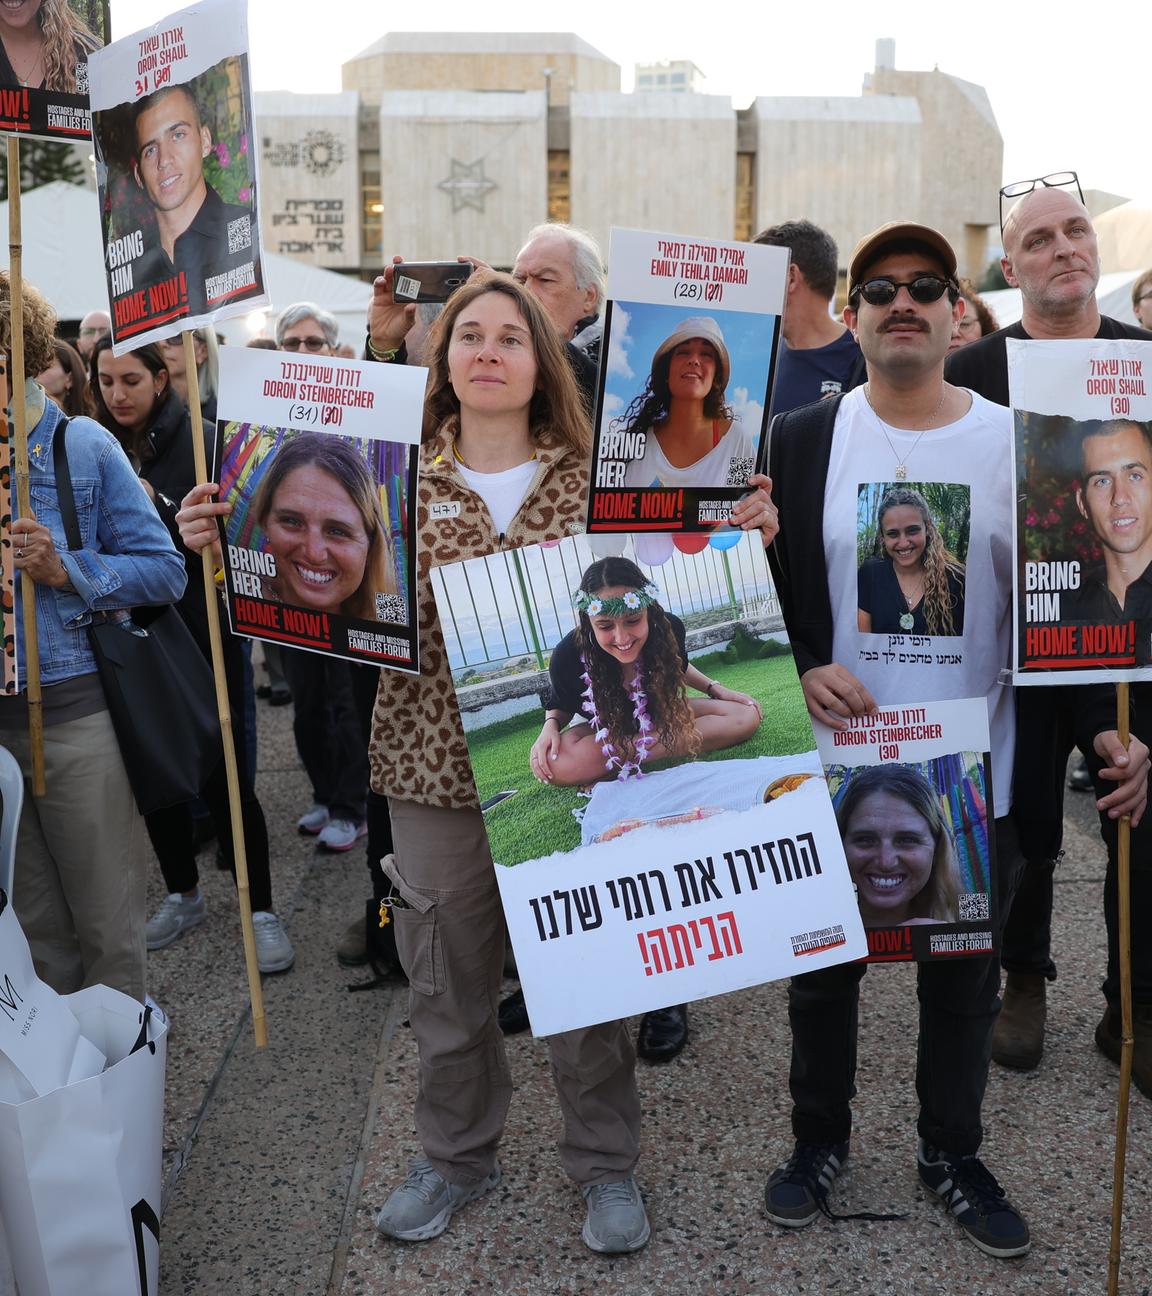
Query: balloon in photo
[[725, 539], [691, 544], [655, 550], [607, 546]]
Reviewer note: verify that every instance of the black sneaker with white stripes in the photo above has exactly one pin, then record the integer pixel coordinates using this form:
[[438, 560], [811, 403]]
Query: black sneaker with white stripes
[[970, 1191], [797, 1191]]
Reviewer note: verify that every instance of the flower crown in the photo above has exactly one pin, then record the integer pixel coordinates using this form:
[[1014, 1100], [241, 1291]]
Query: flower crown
[[630, 601]]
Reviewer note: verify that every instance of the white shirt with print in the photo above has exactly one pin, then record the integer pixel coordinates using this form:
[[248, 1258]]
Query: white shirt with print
[[975, 451]]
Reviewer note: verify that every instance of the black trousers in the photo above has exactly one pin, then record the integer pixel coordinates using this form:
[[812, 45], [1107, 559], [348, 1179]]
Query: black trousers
[[171, 830], [959, 1002], [329, 731], [365, 680], [1044, 742]]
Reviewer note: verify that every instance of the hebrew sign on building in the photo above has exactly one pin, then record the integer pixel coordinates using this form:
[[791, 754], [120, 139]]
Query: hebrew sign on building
[[310, 167]]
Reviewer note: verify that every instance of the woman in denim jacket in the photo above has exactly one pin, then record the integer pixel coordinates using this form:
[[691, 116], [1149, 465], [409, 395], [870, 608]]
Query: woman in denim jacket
[[79, 887]]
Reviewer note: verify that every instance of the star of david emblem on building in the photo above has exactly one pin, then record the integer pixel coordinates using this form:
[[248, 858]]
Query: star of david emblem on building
[[467, 185]]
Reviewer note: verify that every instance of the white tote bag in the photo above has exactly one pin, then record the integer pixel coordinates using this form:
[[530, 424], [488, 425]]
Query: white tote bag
[[41, 1044], [80, 1166]]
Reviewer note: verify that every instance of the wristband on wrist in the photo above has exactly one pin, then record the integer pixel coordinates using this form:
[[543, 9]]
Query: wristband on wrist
[[377, 354], [711, 685]]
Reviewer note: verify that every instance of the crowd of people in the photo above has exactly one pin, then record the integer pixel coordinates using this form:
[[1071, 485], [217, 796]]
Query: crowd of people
[[917, 371]]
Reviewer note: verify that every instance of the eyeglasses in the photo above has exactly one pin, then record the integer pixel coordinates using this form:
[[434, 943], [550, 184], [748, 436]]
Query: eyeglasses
[[308, 343], [923, 289], [91, 331], [1057, 180]]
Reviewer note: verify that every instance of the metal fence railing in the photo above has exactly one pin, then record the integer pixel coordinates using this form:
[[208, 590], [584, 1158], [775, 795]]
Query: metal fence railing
[[518, 603]]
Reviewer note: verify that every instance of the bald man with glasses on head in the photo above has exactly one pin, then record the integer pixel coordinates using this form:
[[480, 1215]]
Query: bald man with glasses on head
[[1050, 254]]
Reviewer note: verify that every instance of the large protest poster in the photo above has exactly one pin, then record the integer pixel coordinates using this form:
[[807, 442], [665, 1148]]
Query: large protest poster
[[691, 330], [176, 171], [317, 457], [680, 842], [44, 51], [1082, 421], [912, 789]]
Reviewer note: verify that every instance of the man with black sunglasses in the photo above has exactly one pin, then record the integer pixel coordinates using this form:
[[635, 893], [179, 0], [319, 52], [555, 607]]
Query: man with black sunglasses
[[906, 424], [1050, 254]]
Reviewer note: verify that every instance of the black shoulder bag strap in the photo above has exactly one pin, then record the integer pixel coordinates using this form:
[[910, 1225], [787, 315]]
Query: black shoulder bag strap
[[64, 486], [157, 684]]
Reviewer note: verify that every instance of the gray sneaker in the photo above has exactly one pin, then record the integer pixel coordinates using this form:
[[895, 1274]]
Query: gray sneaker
[[176, 915], [422, 1205], [274, 952], [341, 834], [616, 1220], [313, 821]]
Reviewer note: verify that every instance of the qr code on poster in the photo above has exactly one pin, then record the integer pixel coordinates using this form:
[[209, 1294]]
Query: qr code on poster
[[739, 470], [973, 906], [82, 77], [392, 608], [240, 234]]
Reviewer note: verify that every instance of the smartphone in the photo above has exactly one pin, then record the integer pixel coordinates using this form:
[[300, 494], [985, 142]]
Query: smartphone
[[428, 281]]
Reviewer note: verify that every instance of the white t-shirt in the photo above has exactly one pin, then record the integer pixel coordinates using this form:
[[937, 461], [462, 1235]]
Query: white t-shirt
[[503, 492], [963, 469], [728, 463]]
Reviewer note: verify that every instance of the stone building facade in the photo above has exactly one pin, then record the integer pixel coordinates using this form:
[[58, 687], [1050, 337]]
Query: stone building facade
[[463, 142]]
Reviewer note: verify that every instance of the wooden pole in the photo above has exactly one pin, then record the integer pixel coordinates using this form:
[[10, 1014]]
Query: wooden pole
[[31, 661], [1124, 914], [259, 1026]]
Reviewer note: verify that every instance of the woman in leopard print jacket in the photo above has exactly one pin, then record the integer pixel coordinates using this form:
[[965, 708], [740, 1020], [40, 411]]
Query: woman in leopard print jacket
[[505, 462]]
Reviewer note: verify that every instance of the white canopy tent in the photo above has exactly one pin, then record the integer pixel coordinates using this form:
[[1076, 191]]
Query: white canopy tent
[[1124, 236], [63, 258]]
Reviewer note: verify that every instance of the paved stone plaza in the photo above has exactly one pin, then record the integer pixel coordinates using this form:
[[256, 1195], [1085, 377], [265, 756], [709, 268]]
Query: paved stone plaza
[[277, 1160]]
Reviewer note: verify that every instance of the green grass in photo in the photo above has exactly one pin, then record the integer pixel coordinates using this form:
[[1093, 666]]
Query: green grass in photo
[[538, 819]]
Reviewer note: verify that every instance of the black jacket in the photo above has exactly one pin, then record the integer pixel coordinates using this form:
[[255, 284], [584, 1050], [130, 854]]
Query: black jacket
[[983, 366], [168, 466], [799, 448]]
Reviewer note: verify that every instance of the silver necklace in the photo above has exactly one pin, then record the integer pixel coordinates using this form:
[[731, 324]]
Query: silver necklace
[[902, 464], [912, 599], [26, 80]]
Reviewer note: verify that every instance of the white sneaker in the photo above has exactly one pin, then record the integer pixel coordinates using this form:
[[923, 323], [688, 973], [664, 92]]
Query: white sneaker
[[314, 821], [176, 915], [342, 834], [274, 952]]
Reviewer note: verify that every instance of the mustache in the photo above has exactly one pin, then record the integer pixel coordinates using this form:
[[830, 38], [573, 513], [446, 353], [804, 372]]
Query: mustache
[[903, 321]]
